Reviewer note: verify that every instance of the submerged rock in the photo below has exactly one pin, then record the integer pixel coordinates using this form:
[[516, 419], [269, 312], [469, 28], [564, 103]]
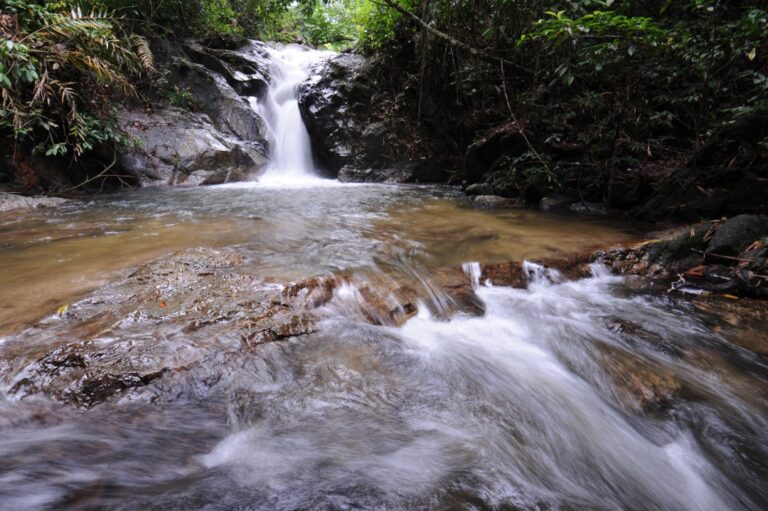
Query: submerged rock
[[640, 385], [595, 208], [350, 174], [554, 202], [740, 322]]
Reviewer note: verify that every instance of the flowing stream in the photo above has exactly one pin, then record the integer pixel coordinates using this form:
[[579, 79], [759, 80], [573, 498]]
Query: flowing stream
[[596, 393]]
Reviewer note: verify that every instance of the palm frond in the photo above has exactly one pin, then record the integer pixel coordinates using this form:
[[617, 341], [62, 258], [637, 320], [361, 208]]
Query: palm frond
[[99, 68], [73, 24]]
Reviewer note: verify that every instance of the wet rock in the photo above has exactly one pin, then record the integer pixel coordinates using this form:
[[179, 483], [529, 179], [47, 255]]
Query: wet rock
[[207, 74], [124, 340], [351, 138], [231, 114], [554, 202], [634, 335], [392, 175], [275, 324], [311, 293], [496, 202], [73, 374], [10, 201], [328, 102], [244, 64], [220, 138], [180, 147], [519, 275], [458, 287], [479, 189], [734, 235], [741, 322], [93, 389], [696, 259], [640, 385], [594, 208]]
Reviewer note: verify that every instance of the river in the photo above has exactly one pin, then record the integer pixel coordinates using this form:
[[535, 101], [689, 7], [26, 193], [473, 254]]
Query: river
[[596, 393]]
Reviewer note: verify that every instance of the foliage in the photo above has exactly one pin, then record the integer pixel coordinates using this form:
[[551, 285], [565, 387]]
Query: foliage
[[614, 84], [60, 71], [181, 98]]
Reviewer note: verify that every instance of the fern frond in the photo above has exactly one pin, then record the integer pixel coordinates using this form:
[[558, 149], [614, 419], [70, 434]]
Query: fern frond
[[142, 49]]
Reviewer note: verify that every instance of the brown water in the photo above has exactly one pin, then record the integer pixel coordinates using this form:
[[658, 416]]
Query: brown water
[[50, 257], [535, 404]]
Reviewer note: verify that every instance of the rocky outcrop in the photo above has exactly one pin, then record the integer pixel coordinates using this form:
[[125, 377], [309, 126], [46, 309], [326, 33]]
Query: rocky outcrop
[[352, 138], [176, 146], [217, 136]]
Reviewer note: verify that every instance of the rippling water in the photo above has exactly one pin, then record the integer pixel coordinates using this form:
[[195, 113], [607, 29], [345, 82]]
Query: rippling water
[[516, 409]]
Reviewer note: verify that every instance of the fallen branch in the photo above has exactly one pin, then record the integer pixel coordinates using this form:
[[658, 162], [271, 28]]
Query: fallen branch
[[730, 258], [100, 174]]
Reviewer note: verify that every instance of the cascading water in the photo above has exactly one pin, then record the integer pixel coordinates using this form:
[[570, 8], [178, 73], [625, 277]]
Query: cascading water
[[291, 150]]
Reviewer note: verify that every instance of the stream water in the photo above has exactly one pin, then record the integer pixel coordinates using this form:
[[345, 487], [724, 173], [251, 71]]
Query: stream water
[[532, 405]]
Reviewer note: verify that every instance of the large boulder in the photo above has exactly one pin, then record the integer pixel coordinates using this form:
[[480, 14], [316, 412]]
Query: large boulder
[[175, 146], [328, 102], [736, 234], [341, 107]]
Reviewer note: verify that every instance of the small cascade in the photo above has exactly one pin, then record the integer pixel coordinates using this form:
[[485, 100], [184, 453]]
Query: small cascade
[[291, 150], [474, 272]]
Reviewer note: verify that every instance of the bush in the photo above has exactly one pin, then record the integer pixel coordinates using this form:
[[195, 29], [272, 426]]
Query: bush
[[60, 73]]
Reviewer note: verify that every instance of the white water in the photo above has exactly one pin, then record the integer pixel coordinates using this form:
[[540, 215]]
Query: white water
[[291, 159], [495, 400]]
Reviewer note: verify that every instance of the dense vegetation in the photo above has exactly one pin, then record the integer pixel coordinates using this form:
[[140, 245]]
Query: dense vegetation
[[609, 95], [604, 94]]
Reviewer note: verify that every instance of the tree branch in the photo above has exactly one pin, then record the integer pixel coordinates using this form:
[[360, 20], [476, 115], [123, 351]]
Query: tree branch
[[480, 54]]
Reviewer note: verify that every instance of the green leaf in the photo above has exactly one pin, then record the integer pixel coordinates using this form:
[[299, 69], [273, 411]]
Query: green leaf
[[59, 149]]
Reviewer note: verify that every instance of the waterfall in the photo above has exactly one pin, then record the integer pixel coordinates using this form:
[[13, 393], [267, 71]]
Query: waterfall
[[290, 151]]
